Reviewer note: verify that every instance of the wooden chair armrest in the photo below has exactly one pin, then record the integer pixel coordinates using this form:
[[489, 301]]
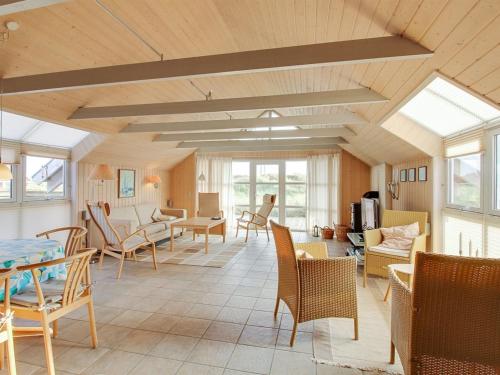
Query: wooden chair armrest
[[373, 237], [136, 233], [252, 215], [401, 310]]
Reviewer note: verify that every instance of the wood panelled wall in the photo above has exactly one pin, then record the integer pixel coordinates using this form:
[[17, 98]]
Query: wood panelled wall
[[144, 192], [183, 184], [355, 180]]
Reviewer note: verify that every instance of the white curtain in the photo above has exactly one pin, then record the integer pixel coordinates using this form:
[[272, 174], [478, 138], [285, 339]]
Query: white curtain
[[322, 190], [218, 179]]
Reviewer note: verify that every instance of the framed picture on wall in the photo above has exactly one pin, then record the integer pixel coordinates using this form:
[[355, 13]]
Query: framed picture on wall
[[402, 175], [126, 183], [422, 173], [411, 174]]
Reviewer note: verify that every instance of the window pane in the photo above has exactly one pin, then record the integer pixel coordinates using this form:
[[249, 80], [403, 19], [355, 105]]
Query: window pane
[[472, 232], [465, 186], [296, 218], [241, 171], [6, 188], [296, 171], [267, 172], [295, 194], [242, 194], [239, 209], [261, 189], [44, 178]]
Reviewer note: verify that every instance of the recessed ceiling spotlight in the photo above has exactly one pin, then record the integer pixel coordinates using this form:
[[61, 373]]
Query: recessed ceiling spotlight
[[12, 25]]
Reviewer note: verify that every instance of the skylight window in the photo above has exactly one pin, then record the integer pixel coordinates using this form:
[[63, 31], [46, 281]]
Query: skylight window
[[446, 109], [28, 130]]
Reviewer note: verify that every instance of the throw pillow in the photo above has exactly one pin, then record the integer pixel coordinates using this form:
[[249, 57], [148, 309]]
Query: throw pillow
[[400, 237], [156, 215]]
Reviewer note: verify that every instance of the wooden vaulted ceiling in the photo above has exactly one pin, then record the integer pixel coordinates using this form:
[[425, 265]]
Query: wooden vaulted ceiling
[[463, 34]]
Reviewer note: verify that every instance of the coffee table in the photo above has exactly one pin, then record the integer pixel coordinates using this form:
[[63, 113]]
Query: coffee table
[[201, 224]]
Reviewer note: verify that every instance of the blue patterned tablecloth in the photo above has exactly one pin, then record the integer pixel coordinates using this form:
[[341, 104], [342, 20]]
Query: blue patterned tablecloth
[[15, 253]]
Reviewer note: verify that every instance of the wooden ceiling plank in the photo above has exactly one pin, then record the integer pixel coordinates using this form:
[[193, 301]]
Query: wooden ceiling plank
[[213, 136], [322, 54], [328, 98], [16, 6], [272, 142], [344, 117]]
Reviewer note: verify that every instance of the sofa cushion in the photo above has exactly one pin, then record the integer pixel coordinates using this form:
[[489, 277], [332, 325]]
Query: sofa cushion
[[144, 212], [153, 228], [388, 251]]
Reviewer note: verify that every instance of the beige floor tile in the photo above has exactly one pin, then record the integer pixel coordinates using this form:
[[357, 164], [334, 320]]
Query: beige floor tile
[[141, 342], [251, 359], [267, 304], [213, 353], [175, 347], [130, 318], [303, 341], [155, 365], [248, 291], [175, 308], [159, 322], [200, 311], [241, 302], [190, 327], [114, 362], [322, 369], [43, 371], [223, 331], [218, 299], [197, 369], [74, 330], [259, 336], [77, 359], [105, 314], [291, 363], [234, 315], [110, 336], [287, 323], [236, 372], [264, 319]]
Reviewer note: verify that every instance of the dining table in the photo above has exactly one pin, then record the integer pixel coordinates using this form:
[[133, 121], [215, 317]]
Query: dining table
[[20, 252]]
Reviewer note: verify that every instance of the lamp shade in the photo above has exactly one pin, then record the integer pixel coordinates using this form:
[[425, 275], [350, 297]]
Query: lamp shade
[[5, 173], [102, 172], [201, 177], [154, 179]]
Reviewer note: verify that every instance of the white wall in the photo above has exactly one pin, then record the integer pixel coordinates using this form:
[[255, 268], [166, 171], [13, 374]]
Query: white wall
[[28, 220], [378, 183]]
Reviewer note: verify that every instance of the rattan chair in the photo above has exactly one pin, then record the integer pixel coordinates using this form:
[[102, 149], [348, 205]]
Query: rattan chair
[[73, 238], [256, 220], [6, 334], [113, 244], [376, 261], [314, 288], [450, 322], [51, 300]]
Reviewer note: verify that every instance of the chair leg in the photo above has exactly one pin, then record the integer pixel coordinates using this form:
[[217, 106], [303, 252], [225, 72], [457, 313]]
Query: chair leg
[[135, 256], [387, 292], [276, 307], [101, 258], [120, 267], [93, 331], [194, 234], [267, 232], [256, 231], [356, 329], [237, 229], [154, 256], [294, 332], [11, 357], [55, 329], [246, 238], [393, 354], [364, 273], [49, 356]]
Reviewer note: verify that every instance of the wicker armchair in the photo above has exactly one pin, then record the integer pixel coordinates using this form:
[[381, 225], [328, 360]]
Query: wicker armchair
[[314, 288], [376, 261], [450, 322]]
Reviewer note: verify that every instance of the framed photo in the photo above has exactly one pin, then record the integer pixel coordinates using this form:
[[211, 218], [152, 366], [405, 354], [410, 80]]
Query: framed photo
[[422, 173], [126, 183], [402, 175], [411, 174]]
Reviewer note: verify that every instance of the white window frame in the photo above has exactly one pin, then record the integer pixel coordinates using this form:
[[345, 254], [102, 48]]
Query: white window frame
[[13, 186], [66, 187], [490, 165]]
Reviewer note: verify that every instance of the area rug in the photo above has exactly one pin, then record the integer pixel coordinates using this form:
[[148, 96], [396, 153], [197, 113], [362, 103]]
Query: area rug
[[192, 253], [333, 339]]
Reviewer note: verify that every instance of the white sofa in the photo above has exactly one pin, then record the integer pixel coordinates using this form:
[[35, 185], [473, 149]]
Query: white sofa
[[127, 220]]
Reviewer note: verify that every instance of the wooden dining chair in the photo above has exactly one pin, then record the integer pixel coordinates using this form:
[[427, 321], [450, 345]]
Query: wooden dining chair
[[74, 238], [52, 299], [6, 335]]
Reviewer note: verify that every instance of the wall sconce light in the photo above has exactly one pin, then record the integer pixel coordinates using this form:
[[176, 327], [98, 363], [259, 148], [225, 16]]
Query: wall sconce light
[[155, 180], [393, 186]]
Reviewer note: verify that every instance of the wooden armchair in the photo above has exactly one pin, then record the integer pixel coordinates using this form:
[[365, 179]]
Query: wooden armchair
[[113, 244], [73, 238], [314, 288], [377, 259], [257, 219], [6, 334], [208, 206], [450, 322], [48, 301]]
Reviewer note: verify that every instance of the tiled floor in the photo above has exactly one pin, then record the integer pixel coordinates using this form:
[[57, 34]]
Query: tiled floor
[[184, 320]]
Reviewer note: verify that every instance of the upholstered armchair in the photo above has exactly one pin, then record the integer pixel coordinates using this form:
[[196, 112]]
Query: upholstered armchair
[[208, 206], [377, 258], [449, 323], [256, 220], [317, 287]]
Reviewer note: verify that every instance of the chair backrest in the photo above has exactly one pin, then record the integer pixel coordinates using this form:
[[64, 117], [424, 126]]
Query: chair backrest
[[208, 204], [288, 271], [5, 274], [268, 201], [74, 237], [392, 218], [99, 215], [77, 276], [456, 315]]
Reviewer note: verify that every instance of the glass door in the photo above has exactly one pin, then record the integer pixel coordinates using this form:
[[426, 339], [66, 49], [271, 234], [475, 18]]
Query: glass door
[[267, 181]]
